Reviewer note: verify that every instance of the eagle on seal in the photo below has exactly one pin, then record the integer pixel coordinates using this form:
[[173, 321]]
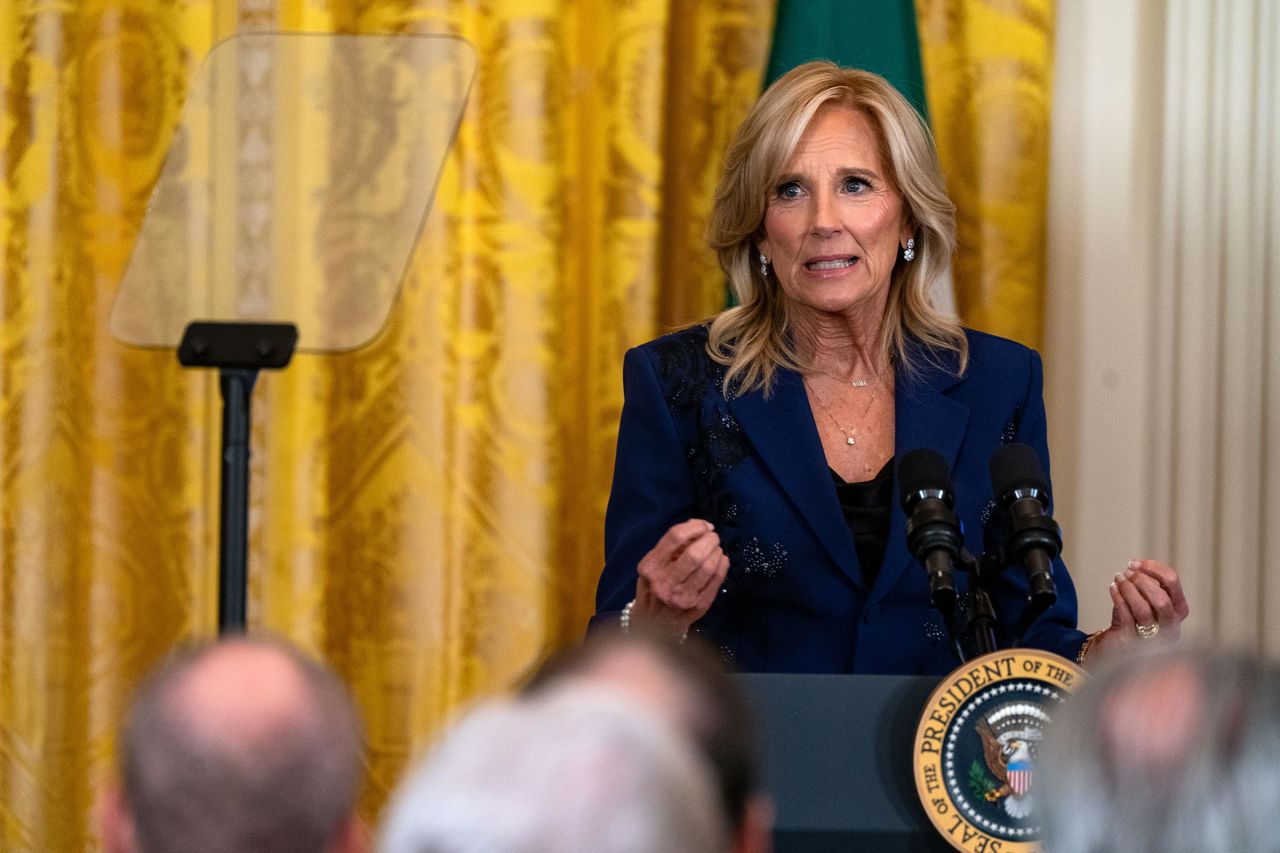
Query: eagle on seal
[[1010, 763]]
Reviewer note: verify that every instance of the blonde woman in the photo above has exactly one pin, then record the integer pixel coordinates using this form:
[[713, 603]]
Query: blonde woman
[[753, 498]]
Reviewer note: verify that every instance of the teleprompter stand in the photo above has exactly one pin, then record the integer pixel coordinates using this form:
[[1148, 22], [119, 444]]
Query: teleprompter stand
[[238, 351], [261, 240]]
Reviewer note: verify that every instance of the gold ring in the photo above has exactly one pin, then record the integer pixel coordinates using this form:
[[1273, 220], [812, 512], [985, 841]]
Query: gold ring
[[1148, 632]]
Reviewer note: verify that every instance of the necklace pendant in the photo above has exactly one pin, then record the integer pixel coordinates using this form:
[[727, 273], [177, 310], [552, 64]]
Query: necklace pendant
[[858, 383], [848, 439]]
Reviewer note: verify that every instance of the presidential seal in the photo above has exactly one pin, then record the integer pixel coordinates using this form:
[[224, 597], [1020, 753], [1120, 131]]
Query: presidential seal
[[977, 744]]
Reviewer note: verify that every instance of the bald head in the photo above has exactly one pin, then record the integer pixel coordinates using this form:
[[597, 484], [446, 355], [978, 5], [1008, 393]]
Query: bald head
[[244, 745], [243, 695], [638, 672]]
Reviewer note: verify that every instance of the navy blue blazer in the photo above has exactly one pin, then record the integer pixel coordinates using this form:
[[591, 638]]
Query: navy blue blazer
[[795, 599]]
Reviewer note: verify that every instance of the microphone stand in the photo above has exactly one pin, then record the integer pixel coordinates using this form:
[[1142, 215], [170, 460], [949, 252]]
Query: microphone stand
[[978, 633], [982, 613]]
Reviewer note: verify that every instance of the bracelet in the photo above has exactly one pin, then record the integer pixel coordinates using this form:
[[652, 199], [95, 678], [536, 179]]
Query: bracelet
[[1084, 648], [624, 621]]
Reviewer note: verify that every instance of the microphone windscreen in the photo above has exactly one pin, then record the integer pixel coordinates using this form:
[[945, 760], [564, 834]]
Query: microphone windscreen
[[923, 469], [1016, 466]]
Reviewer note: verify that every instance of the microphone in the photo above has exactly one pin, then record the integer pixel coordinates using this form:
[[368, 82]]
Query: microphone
[[1034, 539], [933, 531]]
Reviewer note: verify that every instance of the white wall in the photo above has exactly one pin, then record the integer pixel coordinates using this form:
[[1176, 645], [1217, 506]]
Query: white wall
[[1163, 383]]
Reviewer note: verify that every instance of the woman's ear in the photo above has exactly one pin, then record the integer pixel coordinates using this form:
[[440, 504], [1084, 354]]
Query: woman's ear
[[909, 230], [762, 247]]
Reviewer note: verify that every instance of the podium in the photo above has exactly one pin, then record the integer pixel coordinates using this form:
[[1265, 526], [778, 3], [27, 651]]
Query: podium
[[838, 761]]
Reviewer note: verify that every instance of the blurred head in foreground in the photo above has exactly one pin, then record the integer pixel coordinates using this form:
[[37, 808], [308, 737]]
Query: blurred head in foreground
[[580, 770], [239, 745], [1174, 750], [687, 684]]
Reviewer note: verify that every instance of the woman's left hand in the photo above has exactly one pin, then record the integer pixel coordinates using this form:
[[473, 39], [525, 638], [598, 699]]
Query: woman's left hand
[[1147, 603]]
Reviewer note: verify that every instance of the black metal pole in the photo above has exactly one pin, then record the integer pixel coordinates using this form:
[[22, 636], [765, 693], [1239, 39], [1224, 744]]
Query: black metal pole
[[239, 350], [233, 543]]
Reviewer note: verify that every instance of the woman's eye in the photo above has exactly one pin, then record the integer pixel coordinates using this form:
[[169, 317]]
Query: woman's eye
[[789, 190], [856, 185]]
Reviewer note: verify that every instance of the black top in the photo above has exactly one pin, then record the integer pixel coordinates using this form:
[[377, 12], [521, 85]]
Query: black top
[[866, 508]]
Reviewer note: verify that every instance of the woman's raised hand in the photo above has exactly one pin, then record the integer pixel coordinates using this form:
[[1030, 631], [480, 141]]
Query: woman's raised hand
[[679, 578], [1147, 603]]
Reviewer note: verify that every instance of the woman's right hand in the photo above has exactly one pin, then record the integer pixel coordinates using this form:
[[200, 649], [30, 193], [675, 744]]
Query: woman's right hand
[[680, 578]]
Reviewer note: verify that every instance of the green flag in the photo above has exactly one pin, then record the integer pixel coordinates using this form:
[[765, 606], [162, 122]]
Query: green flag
[[876, 35]]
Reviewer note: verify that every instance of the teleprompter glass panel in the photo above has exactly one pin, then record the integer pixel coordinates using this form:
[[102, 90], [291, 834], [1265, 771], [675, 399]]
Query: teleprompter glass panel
[[296, 186]]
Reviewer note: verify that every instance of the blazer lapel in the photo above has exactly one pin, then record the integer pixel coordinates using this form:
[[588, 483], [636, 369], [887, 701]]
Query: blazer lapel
[[925, 417], [783, 432]]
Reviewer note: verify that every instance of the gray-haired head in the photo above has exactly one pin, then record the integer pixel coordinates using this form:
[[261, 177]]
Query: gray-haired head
[[240, 745], [1176, 750], [573, 771]]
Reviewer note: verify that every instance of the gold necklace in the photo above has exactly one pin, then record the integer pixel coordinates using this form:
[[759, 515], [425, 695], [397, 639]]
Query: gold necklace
[[856, 383], [848, 434]]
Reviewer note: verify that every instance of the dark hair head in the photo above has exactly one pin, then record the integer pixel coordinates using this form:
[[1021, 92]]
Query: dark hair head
[[241, 745], [714, 711]]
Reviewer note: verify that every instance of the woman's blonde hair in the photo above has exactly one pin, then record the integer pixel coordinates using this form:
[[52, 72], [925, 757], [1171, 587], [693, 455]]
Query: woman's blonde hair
[[755, 337]]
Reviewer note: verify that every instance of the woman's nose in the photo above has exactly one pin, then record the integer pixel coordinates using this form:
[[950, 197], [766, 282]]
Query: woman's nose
[[825, 222]]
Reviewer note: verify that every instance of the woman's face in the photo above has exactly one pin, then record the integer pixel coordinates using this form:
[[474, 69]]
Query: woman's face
[[834, 224]]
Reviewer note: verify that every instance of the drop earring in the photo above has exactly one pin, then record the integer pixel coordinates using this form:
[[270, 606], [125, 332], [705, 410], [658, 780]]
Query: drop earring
[[909, 253], [764, 266]]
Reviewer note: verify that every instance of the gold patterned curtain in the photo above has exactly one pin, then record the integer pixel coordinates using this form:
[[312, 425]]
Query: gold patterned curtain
[[988, 67], [425, 513]]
